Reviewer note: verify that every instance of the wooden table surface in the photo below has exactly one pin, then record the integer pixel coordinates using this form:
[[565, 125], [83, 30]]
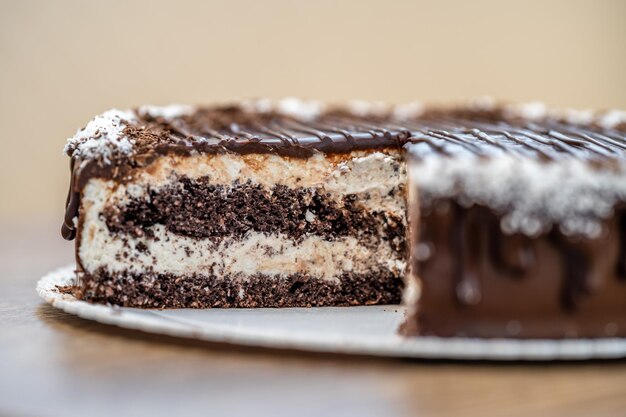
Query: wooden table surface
[[55, 364]]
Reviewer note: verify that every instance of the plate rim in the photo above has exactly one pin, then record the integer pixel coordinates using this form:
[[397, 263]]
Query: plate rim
[[466, 349]]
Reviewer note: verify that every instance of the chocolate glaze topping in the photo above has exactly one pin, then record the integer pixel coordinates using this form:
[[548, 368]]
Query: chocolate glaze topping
[[245, 129], [118, 142]]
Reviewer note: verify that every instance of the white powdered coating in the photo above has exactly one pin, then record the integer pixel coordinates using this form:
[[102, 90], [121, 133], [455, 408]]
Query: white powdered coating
[[273, 255], [362, 108], [289, 106], [376, 177], [574, 116], [302, 109], [171, 111], [531, 195], [537, 111], [102, 136], [408, 111], [483, 103], [532, 111], [612, 118]]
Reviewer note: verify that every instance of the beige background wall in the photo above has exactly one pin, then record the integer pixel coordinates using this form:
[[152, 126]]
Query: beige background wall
[[61, 62]]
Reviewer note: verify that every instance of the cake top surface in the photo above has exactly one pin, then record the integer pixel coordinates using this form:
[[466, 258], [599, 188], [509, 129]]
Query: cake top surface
[[500, 158], [300, 128], [481, 153]]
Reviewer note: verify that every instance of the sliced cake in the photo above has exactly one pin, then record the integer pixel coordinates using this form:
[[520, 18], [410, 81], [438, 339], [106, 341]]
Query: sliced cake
[[518, 224], [246, 206], [516, 214]]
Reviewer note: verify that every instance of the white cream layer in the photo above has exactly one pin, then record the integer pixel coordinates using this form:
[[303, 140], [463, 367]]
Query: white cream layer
[[255, 253], [372, 175], [271, 255]]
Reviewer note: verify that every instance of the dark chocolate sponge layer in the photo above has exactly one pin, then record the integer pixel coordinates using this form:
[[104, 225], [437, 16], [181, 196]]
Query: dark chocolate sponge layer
[[201, 291], [196, 208]]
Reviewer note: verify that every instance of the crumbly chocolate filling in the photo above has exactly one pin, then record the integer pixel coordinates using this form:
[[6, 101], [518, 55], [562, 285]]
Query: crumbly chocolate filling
[[196, 208], [151, 290]]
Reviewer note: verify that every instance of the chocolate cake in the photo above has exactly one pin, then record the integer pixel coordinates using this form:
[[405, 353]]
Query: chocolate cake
[[518, 224], [517, 213], [238, 206]]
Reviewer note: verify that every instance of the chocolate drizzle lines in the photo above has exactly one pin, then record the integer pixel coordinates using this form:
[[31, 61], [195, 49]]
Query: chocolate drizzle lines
[[445, 132], [475, 131]]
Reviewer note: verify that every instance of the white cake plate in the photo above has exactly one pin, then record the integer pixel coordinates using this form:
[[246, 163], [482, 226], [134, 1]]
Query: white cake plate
[[367, 330]]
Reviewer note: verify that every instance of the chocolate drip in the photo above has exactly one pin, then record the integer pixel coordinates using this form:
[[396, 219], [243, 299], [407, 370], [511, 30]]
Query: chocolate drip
[[513, 255], [68, 229], [621, 260], [576, 272], [479, 282], [474, 233], [587, 263], [466, 238]]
